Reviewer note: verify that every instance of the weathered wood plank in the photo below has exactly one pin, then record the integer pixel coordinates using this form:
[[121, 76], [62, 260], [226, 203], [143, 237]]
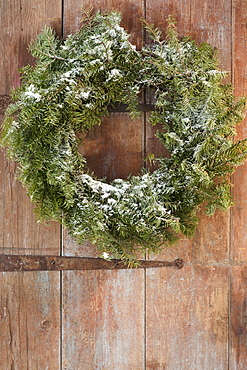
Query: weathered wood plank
[[187, 319], [103, 312], [132, 12], [114, 149], [198, 19], [10, 24], [19, 231], [238, 307], [187, 310], [20, 21], [238, 334], [239, 211], [103, 321], [29, 302], [99, 331], [29, 321]]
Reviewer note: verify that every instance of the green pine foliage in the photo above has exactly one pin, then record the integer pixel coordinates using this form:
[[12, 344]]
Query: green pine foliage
[[70, 89]]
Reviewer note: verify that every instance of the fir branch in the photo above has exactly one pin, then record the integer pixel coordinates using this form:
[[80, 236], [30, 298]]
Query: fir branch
[[49, 55]]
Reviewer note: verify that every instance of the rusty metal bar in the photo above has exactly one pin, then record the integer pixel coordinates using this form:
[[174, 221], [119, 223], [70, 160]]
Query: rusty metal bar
[[122, 108], [56, 263]]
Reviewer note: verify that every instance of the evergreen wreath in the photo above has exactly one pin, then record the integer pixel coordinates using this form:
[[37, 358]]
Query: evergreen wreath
[[70, 89]]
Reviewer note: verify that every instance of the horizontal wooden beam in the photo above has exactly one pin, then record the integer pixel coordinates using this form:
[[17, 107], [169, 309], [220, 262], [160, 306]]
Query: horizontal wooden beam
[[57, 263]]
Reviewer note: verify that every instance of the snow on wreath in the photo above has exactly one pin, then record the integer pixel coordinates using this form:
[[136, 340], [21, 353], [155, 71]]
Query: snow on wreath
[[69, 90]]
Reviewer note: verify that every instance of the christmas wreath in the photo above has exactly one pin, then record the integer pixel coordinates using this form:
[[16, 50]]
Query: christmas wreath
[[69, 90]]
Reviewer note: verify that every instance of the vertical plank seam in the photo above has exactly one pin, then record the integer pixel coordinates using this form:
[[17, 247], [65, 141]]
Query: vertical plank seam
[[144, 37], [145, 154], [61, 301], [145, 319], [61, 238], [229, 317], [62, 18], [231, 231]]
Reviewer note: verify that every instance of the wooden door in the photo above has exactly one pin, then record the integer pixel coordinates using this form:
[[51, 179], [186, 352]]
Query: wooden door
[[193, 318]]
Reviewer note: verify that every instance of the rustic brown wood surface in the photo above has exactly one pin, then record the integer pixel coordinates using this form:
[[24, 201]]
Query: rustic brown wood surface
[[238, 231], [29, 302], [193, 318], [103, 320], [206, 21], [191, 306], [238, 307], [29, 320], [114, 149]]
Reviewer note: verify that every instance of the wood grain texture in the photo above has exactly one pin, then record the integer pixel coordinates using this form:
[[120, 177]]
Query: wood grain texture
[[103, 311], [238, 303], [29, 302], [198, 19], [20, 21], [114, 149], [187, 310], [19, 231], [239, 211], [184, 319], [238, 337], [205, 21], [132, 12], [187, 319], [209, 246], [10, 25], [29, 321], [103, 320]]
